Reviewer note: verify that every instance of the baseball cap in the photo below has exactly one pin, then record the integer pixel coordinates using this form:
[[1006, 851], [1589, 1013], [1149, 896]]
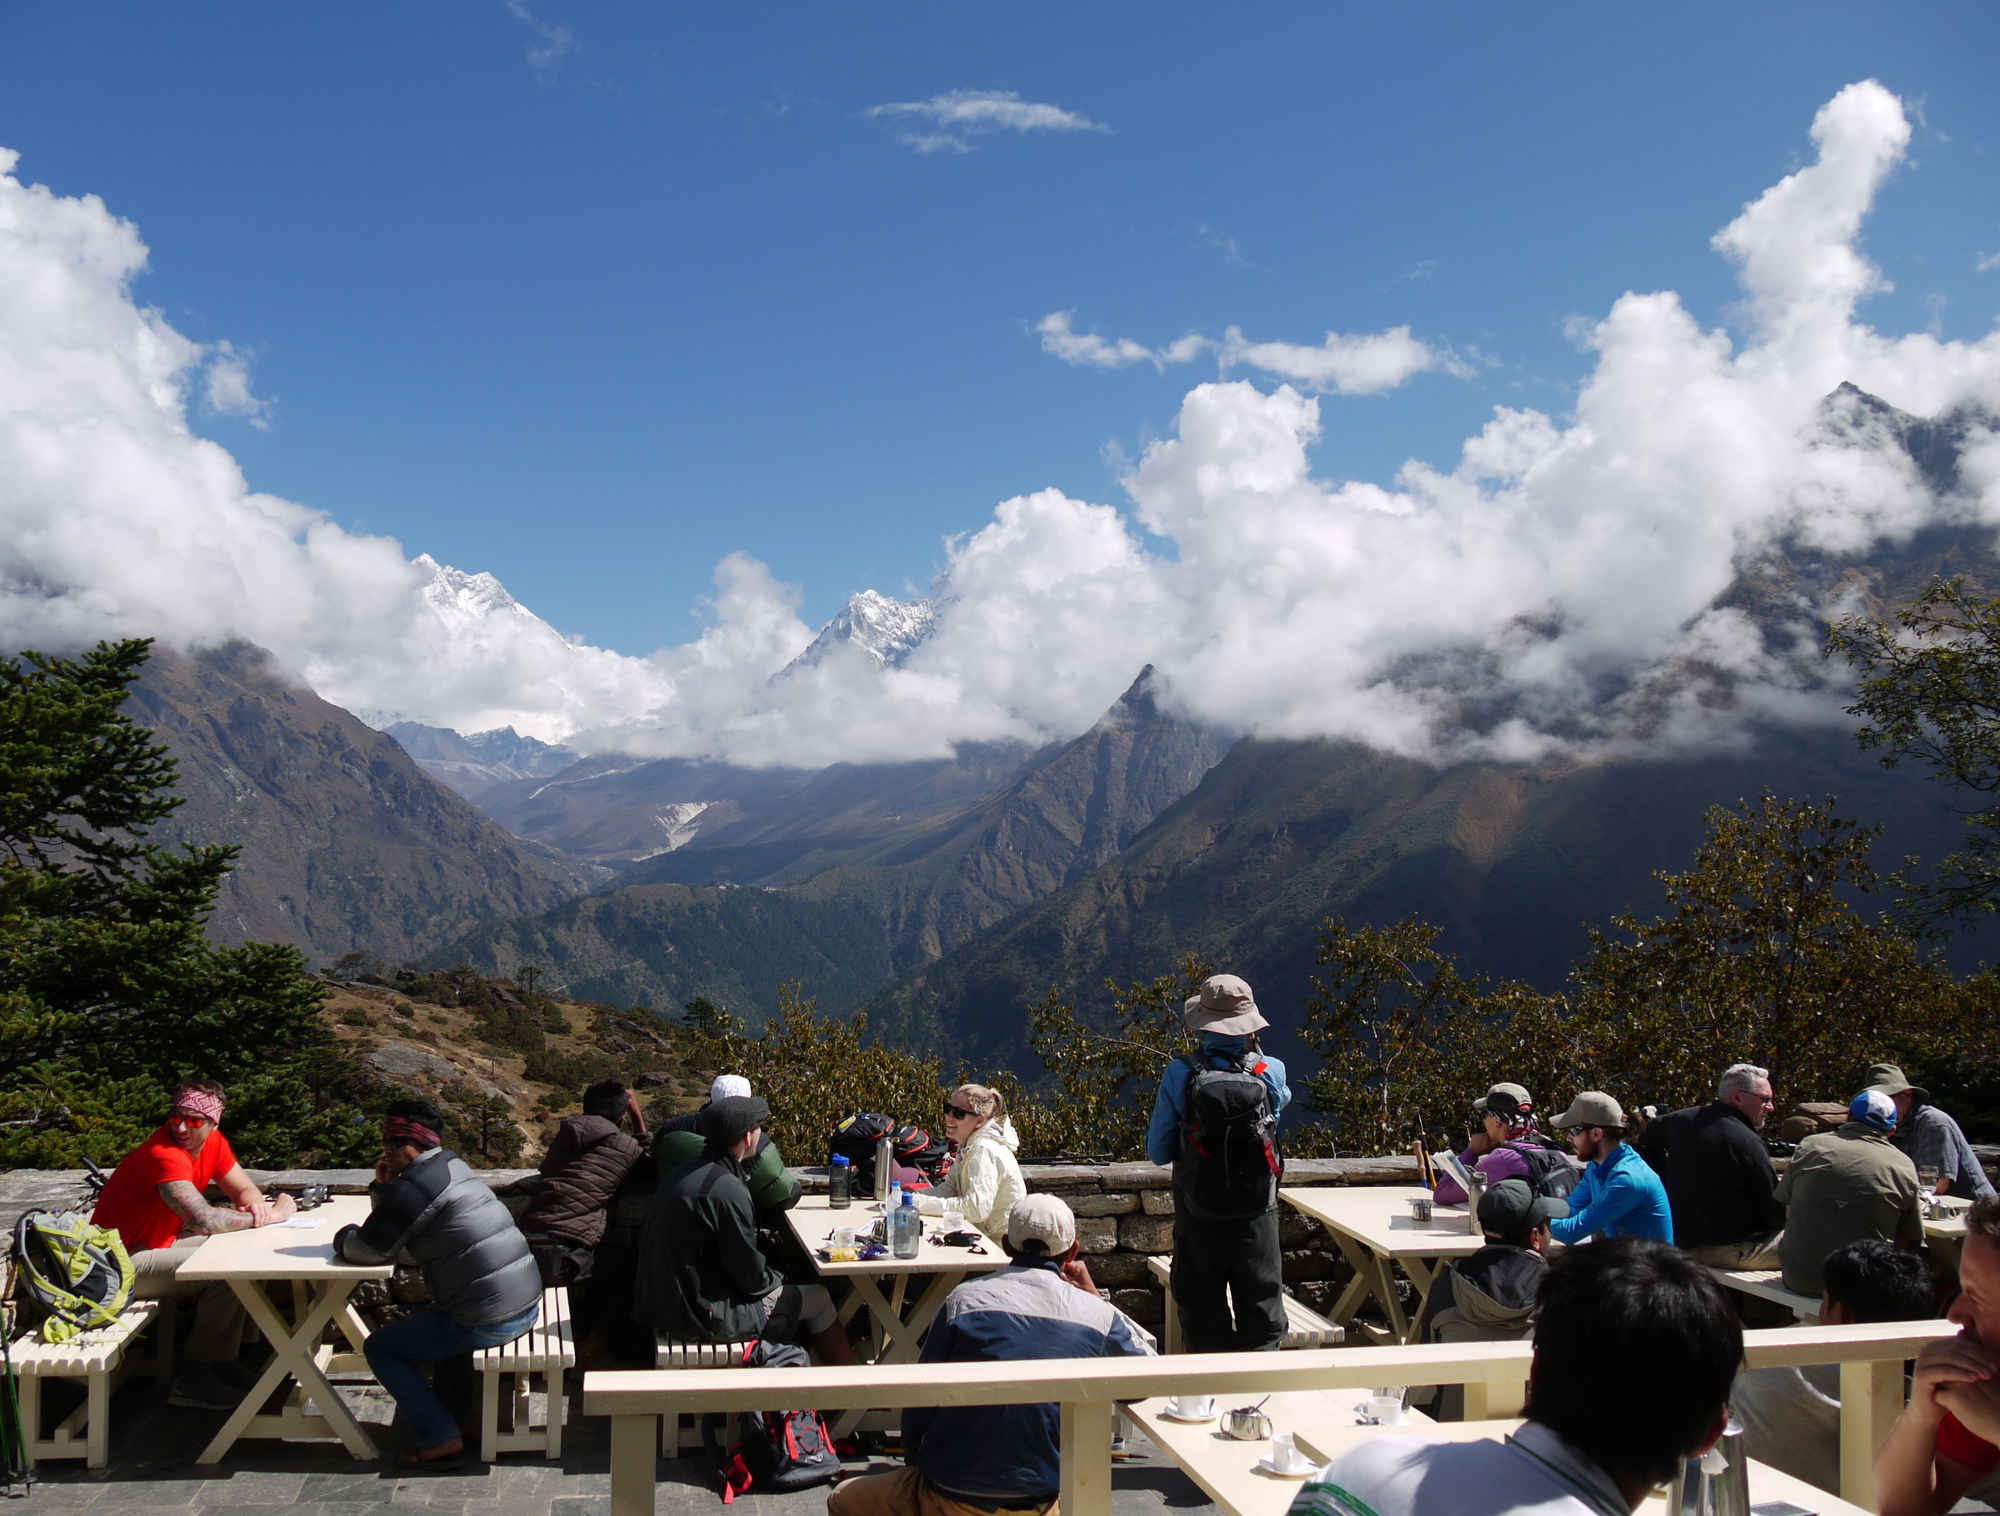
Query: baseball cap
[[723, 1122], [729, 1087], [1225, 1006], [1504, 1100], [1041, 1222], [1591, 1108], [1873, 1108], [1510, 1209]]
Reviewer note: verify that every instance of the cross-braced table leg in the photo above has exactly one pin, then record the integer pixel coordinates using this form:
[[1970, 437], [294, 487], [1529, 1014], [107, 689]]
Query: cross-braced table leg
[[294, 1357], [899, 1337]]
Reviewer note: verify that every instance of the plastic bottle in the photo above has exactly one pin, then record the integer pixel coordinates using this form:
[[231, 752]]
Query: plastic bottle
[[906, 1226], [839, 1183]]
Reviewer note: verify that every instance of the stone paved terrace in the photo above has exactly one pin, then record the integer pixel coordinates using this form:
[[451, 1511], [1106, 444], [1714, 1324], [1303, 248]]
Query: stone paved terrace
[[153, 1469]]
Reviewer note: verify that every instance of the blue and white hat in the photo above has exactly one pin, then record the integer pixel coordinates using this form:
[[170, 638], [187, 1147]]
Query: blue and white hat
[[1873, 1108]]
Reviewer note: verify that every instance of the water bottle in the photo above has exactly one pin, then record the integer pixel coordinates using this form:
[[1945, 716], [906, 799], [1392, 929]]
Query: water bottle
[[839, 1183], [890, 1206], [905, 1227]]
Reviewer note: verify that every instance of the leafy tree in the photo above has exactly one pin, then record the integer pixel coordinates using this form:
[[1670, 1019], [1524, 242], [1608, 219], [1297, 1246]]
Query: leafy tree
[[1929, 690], [108, 991]]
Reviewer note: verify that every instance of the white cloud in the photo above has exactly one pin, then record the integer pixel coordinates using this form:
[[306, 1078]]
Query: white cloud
[[950, 121], [226, 389], [1987, 263], [552, 43], [1546, 591]]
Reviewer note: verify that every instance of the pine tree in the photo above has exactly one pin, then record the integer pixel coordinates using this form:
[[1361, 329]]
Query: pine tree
[[108, 990]]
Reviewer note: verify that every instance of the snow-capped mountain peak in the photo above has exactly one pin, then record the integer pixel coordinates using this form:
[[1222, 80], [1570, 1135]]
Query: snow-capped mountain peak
[[886, 630]]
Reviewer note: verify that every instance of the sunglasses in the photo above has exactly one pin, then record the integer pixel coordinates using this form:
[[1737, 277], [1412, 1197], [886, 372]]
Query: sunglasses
[[186, 1121], [959, 1111]]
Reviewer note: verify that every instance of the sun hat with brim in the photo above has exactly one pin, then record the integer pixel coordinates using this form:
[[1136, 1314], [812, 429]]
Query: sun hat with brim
[[1511, 1209], [1504, 1100], [1888, 1078], [1224, 1006], [1591, 1108]]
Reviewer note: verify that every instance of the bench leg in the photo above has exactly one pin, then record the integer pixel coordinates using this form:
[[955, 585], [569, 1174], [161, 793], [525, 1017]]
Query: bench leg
[[97, 1432], [31, 1416], [556, 1411], [489, 1416]]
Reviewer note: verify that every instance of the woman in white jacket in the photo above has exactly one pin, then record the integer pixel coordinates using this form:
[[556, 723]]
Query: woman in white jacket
[[986, 1180]]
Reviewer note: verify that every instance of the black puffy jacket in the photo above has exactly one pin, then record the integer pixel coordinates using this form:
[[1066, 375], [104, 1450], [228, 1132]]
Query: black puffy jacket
[[474, 1258]]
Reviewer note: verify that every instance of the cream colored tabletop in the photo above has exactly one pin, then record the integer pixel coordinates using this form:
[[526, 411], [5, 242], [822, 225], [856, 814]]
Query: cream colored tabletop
[[1949, 1224], [1374, 1229], [302, 1249], [1324, 1424]]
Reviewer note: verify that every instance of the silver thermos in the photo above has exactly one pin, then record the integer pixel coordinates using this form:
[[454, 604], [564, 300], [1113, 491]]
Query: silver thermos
[[1475, 1191], [885, 1158], [1715, 1483]]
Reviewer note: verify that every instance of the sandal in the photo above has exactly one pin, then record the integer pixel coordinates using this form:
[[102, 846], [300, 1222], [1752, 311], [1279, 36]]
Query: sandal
[[446, 1455]]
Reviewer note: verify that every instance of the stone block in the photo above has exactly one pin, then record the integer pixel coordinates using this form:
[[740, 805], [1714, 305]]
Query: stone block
[[1157, 1202], [1053, 1178], [1296, 1231], [1144, 1306], [1112, 1203], [1098, 1234], [1115, 1271], [1136, 1176], [1306, 1264], [1146, 1234]]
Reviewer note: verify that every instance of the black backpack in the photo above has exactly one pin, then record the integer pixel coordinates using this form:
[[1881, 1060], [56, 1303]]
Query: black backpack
[[929, 1156], [775, 1452], [855, 1139], [1228, 1165], [1549, 1173]]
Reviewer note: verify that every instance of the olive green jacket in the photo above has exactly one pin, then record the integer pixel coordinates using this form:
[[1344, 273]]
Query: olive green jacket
[[772, 1189], [1839, 1187]]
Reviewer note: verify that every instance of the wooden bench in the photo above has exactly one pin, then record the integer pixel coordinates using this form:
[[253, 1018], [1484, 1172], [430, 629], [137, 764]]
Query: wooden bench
[[1088, 1390], [1768, 1284], [546, 1348], [95, 1357], [1304, 1327], [670, 1352]]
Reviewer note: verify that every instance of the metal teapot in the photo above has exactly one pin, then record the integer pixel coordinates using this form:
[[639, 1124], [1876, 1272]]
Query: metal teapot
[[1715, 1483], [1247, 1424]]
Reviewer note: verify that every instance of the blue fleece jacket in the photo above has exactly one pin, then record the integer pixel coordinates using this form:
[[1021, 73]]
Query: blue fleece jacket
[[1619, 1195], [1163, 1132]]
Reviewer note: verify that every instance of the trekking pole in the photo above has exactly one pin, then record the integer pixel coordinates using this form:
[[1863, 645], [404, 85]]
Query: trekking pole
[[13, 1436]]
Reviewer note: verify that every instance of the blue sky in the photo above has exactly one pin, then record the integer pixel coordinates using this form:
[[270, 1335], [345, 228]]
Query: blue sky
[[592, 295]]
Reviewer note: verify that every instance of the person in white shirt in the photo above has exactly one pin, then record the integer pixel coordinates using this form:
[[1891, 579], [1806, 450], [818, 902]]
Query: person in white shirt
[[1791, 1416], [1635, 1348]]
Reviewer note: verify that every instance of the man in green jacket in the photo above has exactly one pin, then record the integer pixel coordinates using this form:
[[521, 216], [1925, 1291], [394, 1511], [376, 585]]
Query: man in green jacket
[[772, 1187], [701, 1274], [1842, 1186]]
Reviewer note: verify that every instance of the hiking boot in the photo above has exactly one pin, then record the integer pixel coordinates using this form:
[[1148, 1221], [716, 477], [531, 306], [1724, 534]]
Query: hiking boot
[[199, 1387]]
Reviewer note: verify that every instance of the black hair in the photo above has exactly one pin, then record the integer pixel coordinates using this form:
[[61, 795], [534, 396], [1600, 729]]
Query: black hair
[[1878, 1281], [1635, 1349], [606, 1098], [417, 1110]]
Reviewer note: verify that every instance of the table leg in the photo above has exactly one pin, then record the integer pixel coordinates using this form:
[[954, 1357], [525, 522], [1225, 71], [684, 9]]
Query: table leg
[[633, 1464], [1361, 1286], [292, 1356], [1423, 1274], [899, 1338]]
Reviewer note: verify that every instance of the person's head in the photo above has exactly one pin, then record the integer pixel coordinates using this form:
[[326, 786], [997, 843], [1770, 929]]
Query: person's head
[[194, 1112], [1635, 1349], [1512, 1212], [970, 1107], [1041, 1227], [728, 1087], [605, 1099], [1224, 1007], [1748, 1089], [1887, 1079], [1594, 1124], [1977, 1309], [409, 1128], [1874, 1280], [1507, 1111], [732, 1126], [1872, 1108]]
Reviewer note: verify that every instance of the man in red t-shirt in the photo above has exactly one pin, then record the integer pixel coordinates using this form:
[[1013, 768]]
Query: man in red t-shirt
[[1949, 1434], [156, 1201]]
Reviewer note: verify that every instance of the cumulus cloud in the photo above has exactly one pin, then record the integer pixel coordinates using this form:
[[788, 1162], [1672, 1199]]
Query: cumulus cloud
[[1367, 363], [552, 43], [1561, 586], [226, 389], [948, 123]]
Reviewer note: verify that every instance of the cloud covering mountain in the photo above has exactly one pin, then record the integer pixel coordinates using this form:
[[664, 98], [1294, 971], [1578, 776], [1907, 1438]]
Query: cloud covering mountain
[[1509, 605]]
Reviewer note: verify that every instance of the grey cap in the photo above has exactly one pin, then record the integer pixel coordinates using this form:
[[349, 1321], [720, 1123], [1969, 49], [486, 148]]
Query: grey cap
[[1592, 1108], [1224, 1006], [1503, 1100], [1510, 1209], [723, 1122]]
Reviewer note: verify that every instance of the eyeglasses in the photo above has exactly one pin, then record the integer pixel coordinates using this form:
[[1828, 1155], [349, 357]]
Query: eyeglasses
[[186, 1121], [959, 1111]]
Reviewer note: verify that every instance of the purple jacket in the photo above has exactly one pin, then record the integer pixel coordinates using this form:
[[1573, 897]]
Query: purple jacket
[[1504, 1162]]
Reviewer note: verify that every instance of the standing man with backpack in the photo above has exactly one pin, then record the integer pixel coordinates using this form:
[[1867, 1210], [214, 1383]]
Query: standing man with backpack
[[1215, 1120]]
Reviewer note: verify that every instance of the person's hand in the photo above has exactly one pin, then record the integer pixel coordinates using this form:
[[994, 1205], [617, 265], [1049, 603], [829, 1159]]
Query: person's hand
[[632, 1110], [1479, 1143], [383, 1173], [257, 1207], [1976, 1403], [1948, 1367], [283, 1209], [1075, 1273]]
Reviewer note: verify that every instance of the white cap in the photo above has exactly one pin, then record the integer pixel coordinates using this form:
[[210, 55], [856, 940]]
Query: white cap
[[728, 1087]]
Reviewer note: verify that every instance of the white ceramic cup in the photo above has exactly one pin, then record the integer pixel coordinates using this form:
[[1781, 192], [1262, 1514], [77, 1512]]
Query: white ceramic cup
[[1383, 1410], [1193, 1406], [954, 1219], [1285, 1454]]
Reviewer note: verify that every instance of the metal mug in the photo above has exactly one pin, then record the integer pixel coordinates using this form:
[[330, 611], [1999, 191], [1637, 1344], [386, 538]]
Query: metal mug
[[1717, 1483], [1247, 1424]]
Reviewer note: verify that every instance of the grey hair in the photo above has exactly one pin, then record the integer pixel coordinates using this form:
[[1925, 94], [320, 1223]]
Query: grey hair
[[1739, 1079]]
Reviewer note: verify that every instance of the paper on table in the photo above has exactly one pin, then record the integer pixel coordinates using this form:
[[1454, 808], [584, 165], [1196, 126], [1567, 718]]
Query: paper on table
[[297, 1223]]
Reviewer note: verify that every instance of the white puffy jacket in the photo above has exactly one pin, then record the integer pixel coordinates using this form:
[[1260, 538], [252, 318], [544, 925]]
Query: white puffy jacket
[[986, 1181]]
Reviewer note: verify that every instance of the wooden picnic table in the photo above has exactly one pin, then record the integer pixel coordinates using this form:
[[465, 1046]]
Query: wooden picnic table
[[881, 1286], [298, 1253], [1324, 1424], [1375, 1231]]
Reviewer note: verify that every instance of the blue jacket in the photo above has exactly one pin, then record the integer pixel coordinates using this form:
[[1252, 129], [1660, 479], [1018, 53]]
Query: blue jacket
[[1618, 1196], [1163, 1132], [1008, 1454]]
